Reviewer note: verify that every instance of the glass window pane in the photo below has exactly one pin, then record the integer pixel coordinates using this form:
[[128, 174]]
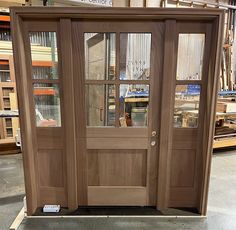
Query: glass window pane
[[100, 104], [44, 55], [100, 56], [134, 101], [190, 56], [135, 51], [47, 104], [186, 106]]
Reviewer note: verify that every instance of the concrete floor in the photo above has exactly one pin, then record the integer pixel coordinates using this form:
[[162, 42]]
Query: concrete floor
[[221, 208]]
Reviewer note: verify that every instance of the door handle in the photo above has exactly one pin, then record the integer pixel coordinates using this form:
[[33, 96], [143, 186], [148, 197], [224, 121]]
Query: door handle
[[153, 143], [101, 113]]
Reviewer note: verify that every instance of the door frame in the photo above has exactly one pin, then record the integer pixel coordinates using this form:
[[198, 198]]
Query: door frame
[[63, 16]]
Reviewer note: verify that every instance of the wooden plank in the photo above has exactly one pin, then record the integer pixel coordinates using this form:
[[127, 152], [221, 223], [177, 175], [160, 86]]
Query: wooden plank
[[69, 114], [156, 71], [230, 142], [80, 115], [14, 106], [113, 133], [28, 143], [52, 195], [89, 12], [50, 133], [19, 218], [121, 167], [209, 122], [117, 195], [183, 197], [117, 143], [167, 104]]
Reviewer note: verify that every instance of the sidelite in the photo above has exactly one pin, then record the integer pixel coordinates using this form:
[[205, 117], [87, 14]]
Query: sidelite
[[114, 112]]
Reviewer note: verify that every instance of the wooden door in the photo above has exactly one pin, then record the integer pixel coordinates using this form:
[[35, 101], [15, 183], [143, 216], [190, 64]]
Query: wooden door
[[101, 97], [117, 70]]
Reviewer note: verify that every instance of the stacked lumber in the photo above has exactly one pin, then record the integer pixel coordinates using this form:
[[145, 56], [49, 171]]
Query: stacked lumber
[[226, 106], [224, 130], [8, 146]]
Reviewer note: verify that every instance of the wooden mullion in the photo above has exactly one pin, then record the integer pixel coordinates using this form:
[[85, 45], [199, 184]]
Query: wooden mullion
[[189, 82], [134, 82], [99, 82], [112, 82], [117, 79], [46, 81]]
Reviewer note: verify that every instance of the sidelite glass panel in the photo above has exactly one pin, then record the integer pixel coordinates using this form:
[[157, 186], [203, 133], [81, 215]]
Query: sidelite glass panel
[[135, 51], [44, 55], [47, 104], [134, 100], [100, 104], [100, 57], [186, 110], [190, 56]]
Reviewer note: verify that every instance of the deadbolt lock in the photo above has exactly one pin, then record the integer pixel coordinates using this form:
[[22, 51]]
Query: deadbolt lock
[[154, 133]]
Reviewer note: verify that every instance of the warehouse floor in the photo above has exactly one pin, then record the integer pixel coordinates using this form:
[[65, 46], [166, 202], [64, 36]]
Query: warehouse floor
[[221, 208]]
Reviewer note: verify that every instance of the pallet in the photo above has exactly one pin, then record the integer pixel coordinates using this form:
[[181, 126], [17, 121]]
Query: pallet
[[8, 146]]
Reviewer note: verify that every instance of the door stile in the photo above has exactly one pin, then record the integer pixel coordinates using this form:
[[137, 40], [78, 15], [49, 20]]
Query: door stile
[[79, 95], [69, 113], [154, 112], [167, 109]]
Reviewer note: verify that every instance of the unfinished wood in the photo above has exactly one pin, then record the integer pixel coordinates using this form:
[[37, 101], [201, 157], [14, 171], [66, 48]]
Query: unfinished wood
[[117, 167], [26, 124], [113, 13], [52, 195], [166, 125], [117, 143], [157, 56], [230, 142], [14, 106], [117, 195], [183, 171], [50, 167], [79, 89], [185, 138], [53, 134], [126, 138], [113, 133], [17, 221], [146, 162], [8, 146], [68, 89], [209, 119], [182, 197]]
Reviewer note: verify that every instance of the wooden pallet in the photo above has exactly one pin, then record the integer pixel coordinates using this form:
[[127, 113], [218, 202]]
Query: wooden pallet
[[8, 146]]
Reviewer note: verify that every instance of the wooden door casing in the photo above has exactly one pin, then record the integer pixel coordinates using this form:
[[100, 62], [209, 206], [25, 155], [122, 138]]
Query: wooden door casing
[[67, 145]]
